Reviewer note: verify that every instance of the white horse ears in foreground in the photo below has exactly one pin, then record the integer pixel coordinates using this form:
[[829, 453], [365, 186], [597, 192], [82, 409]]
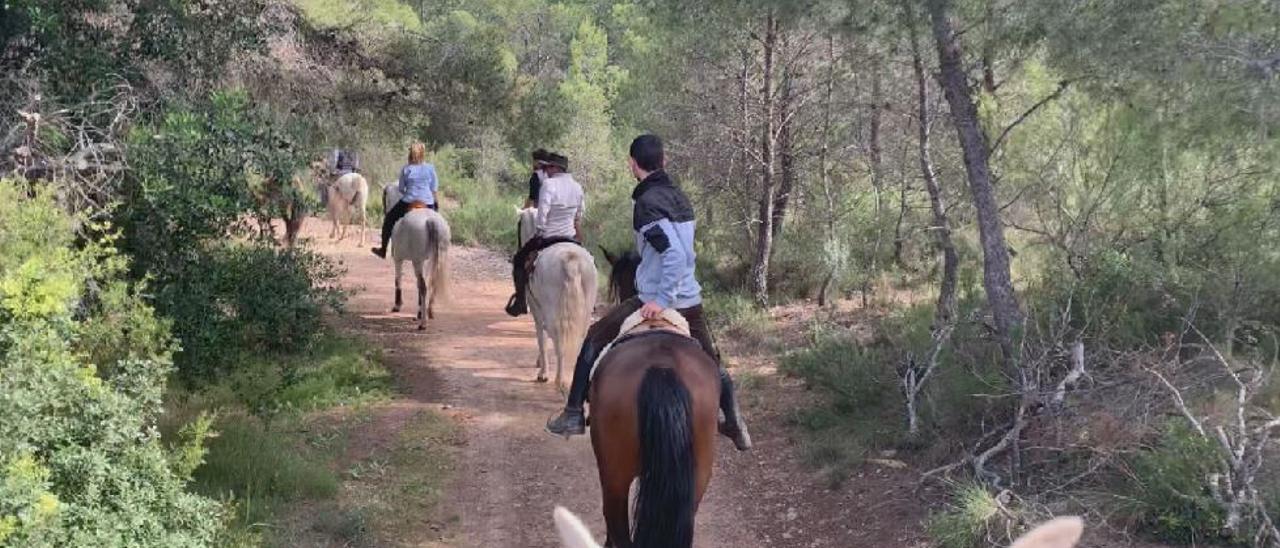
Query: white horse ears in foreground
[[573, 533], [1061, 532]]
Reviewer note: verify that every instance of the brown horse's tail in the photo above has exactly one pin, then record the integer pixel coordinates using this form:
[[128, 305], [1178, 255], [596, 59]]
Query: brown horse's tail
[[664, 501]]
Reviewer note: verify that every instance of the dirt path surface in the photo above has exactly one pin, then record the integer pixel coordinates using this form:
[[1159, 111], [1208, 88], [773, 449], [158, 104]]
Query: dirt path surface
[[474, 364]]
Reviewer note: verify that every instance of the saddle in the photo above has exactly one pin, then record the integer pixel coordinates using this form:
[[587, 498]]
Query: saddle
[[636, 325], [533, 255], [418, 204]]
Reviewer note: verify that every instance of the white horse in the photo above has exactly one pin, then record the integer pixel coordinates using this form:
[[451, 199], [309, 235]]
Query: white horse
[[422, 238], [347, 196], [1056, 533], [561, 296]]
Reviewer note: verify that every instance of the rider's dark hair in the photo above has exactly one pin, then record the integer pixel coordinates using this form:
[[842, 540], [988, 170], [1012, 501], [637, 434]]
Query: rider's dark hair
[[646, 150]]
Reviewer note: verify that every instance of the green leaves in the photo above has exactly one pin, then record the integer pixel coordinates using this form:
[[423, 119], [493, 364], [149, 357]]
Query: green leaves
[[78, 456]]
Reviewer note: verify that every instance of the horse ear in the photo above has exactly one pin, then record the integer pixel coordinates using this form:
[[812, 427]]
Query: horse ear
[[608, 256], [573, 534], [1057, 533]]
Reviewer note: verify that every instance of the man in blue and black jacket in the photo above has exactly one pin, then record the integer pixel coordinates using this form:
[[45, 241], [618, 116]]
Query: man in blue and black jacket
[[664, 229]]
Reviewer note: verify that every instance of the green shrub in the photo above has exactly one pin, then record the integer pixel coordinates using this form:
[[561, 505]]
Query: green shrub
[[196, 176], [736, 316], [860, 410], [967, 521], [1168, 487], [241, 300], [80, 460]]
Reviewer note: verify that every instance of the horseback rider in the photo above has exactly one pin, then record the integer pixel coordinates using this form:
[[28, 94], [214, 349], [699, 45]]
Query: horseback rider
[[418, 183], [535, 179], [559, 220], [340, 162], [663, 221], [345, 161]]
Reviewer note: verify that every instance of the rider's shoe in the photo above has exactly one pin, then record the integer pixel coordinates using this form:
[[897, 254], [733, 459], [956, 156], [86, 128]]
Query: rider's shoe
[[516, 306], [380, 252], [736, 431], [732, 425], [571, 422]]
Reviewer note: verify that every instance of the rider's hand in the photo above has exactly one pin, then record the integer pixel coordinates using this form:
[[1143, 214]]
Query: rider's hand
[[651, 310]]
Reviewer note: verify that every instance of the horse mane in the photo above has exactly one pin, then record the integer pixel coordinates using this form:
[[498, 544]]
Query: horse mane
[[622, 275]]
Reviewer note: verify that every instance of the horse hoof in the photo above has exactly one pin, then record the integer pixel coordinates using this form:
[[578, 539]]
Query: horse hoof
[[542, 379], [422, 328], [395, 309]]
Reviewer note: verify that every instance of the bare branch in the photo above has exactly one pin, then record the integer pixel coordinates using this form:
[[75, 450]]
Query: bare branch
[[1062, 86]]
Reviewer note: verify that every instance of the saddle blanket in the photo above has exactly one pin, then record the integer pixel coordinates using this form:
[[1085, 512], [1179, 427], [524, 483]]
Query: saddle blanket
[[635, 324]]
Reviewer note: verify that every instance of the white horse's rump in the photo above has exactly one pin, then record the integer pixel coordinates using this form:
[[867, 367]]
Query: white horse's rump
[[348, 195], [562, 294], [422, 238], [1057, 533]]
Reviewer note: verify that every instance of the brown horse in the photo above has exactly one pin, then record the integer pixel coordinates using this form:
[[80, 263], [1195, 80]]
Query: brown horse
[[654, 403]]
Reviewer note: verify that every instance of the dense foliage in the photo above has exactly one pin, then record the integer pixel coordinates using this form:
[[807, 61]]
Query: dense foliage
[[83, 364]]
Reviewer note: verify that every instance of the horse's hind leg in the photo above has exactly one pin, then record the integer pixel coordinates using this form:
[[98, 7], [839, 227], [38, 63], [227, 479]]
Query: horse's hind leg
[[431, 290], [616, 517], [364, 224], [556, 345], [422, 295], [399, 274], [542, 349]]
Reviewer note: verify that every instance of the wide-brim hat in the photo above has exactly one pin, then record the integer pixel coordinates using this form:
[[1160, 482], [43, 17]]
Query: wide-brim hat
[[540, 155], [554, 159]]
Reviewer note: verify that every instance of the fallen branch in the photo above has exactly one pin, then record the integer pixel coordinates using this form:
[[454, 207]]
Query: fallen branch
[[1077, 371]]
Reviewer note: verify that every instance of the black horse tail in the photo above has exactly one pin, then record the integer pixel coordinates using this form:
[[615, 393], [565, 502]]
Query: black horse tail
[[664, 502]]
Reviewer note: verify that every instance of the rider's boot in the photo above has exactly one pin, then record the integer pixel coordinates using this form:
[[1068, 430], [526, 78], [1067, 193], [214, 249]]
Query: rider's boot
[[733, 426], [572, 421], [381, 252]]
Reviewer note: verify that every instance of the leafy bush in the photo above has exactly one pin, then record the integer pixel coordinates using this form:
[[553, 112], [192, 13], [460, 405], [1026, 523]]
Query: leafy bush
[[197, 176], [737, 316], [80, 460], [1168, 487], [860, 410], [240, 300]]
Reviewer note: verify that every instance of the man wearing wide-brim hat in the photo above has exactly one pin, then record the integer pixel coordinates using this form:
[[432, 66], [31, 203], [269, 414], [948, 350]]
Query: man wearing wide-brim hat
[[535, 177], [561, 206]]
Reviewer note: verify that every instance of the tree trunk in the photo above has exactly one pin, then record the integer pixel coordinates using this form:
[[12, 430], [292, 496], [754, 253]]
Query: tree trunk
[[876, 160], [899, 240], [825, 174], [973, 141], [941, 225], [786, 157], [764, 239], [988, 50]]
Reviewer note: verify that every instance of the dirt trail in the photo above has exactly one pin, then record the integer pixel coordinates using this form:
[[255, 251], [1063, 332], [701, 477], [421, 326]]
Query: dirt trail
[[475, 363]]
